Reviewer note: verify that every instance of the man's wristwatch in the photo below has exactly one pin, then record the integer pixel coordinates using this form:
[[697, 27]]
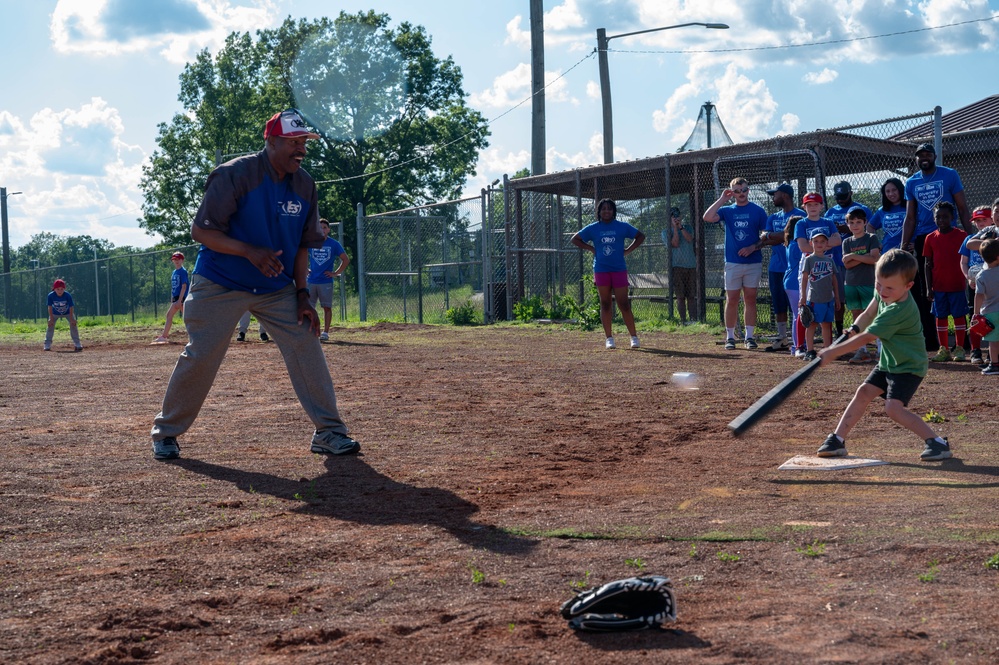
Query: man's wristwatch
[[301, 291], [854, 328]]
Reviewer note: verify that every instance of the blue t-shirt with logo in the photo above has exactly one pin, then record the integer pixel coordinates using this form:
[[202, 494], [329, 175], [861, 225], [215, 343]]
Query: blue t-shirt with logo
[[743, 225], [322, 260], [805, 226], [975, 261], [929, 190], [890, 221], [60, 304], [608, 244], [177, 280], [776, 224], [792, 276]]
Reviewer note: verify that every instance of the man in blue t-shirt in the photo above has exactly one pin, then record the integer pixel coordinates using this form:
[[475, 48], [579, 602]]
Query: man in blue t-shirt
[[843, 193], [256, 224], [744, 221], [322, 274], [783, 200], [923, 191]]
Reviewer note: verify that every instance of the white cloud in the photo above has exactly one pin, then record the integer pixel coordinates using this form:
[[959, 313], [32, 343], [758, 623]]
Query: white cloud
[[513, 87], [176, 29], [593, 90], [818, 78], [77, 175], [517, 36]]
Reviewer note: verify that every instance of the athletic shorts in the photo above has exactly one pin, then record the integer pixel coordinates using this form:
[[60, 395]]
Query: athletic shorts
[[615, 280], [740, 276], [825, 312], [685, 282], [949, 303], [894, 386], [779, 304], [994, 335], [858, 297], [175, 298], [323, 293]]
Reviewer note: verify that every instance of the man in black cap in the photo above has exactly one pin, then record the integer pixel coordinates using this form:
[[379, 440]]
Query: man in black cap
[[923, 191]]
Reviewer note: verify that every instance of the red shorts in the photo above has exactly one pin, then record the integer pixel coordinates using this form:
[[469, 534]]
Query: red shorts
[[615, 280]]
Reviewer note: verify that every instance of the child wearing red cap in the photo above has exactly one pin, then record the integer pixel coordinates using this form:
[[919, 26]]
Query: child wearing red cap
[[60, 304], [972, 264], [178, 291]]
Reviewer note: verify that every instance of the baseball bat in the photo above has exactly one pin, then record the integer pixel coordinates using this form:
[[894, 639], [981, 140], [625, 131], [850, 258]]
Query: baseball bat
[[776, 396]]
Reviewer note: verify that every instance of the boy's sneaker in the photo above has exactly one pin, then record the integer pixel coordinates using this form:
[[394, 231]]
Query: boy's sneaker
[[334, 443], [751, 343], [778, 344], [976, 357], [264, 337], [991, 368], [634, 343], [936, 451], [77, 349], [943, 355], [46, 348], [861, 357], [810, 356], [959, 354], [324, 337], [166, 448], [730, 344], [833, 446], [161, 340], [241, 337], [609, 344]]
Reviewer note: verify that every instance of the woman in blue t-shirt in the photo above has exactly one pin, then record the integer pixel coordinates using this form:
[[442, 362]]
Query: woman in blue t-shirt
[[891, 215], [606, 238]]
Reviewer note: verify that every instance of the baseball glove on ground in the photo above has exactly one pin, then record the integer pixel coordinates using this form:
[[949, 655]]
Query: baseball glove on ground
[[806, 315], [631, 604]]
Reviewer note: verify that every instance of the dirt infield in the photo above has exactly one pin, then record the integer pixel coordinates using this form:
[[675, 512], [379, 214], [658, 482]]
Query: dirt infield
[[502, 470]]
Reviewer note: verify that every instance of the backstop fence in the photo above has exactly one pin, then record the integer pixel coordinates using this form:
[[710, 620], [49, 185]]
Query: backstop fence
[[487, 253]]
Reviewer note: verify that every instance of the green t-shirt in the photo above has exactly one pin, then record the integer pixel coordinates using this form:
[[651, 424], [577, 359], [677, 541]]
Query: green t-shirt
[[903, 348]]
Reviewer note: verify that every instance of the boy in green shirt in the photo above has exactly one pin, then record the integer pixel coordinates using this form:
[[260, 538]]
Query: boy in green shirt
[[892, 317]]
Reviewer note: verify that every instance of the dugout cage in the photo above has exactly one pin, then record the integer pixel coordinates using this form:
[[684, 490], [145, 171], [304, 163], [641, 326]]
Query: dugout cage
[[543, 212]]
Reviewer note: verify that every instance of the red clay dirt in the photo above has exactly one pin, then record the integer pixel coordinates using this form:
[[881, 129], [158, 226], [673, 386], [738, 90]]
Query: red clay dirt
[[503, 469]]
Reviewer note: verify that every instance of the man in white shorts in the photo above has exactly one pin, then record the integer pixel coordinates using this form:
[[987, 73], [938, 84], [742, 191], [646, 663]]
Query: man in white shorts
[[743, 221]]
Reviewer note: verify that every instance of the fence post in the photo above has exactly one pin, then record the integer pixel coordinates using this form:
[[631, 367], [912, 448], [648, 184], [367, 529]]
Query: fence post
[[361, 280], [509, 253], [487, 287], [938, 133]]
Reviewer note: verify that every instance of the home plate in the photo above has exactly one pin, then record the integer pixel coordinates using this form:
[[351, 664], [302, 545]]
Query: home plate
[[812, 463]]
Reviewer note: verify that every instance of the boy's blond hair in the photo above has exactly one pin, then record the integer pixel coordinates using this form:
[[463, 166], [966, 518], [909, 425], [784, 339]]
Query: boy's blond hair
[[897, 262], [738, 181]]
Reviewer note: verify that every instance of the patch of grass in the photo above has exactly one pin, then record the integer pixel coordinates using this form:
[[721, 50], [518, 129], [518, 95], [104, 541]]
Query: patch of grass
[[693, 551], [581, 584], [963, 418], [728, 558], [635, 563], [814, 403], [931, 574], [816, 549], [478, 577], [466, 314], [992, 563], [933, 417]]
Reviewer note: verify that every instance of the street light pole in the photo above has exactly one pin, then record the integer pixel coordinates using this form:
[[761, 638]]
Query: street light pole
[[605, 93], [6, 248]]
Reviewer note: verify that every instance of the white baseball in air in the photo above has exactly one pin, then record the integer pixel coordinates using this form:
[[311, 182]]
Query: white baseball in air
[[686, 380]]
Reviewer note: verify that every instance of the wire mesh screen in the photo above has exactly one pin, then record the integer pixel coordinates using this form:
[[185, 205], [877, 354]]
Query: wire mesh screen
[[422, 262]]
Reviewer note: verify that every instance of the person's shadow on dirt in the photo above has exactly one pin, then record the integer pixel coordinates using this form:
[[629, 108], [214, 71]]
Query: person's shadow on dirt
[[351, 490]]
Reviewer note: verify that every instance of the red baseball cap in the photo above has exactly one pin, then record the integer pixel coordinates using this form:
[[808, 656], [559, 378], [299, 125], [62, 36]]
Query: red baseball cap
[[58, 284], [178, 255], [812, 197], [982, 214], [288, 124]]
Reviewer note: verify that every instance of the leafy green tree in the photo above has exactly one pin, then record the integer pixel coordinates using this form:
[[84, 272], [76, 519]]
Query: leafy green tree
[[383, 156], [50, 249]]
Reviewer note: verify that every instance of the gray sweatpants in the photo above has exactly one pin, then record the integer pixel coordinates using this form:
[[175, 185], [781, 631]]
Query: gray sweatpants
[[210, 313], [74, 332]]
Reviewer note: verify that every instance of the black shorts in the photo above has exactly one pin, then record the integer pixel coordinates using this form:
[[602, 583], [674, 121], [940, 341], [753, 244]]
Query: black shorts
[[175, 298], [894, 386]]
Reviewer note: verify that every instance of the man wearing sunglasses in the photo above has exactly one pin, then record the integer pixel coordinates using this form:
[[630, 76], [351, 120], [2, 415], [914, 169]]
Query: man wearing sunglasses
[[743, 222]]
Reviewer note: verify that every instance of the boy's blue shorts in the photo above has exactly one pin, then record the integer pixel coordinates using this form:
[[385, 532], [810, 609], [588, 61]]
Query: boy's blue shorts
[[949, 303], [825, 312]]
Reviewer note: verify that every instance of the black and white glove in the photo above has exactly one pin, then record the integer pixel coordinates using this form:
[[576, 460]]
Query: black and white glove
[[630, 604]]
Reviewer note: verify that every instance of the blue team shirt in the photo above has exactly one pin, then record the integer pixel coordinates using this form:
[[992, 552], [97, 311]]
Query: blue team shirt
[[975, 261], [805, 226], [792, 276], [322, 260], [928, 191], [247, 201], [608, 242], [890, 221], [743, 225], [776, 224], [177, 280], [60, 304]]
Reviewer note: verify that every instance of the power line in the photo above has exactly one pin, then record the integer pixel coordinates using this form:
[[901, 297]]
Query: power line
[[825, 43]]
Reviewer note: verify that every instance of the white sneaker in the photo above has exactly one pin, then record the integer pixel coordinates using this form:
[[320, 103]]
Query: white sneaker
[[161, 340], [610, 343], [324, 337], [634, 343]]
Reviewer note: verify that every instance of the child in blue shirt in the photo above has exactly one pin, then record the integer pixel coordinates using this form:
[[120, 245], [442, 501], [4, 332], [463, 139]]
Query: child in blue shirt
[[60, 305], [179, 284]]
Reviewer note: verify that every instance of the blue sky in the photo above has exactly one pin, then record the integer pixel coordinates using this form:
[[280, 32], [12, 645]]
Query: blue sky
[[85, 82]]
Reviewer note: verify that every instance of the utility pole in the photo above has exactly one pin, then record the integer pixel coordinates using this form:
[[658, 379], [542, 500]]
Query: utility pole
[[6, 248], [538, 166]]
